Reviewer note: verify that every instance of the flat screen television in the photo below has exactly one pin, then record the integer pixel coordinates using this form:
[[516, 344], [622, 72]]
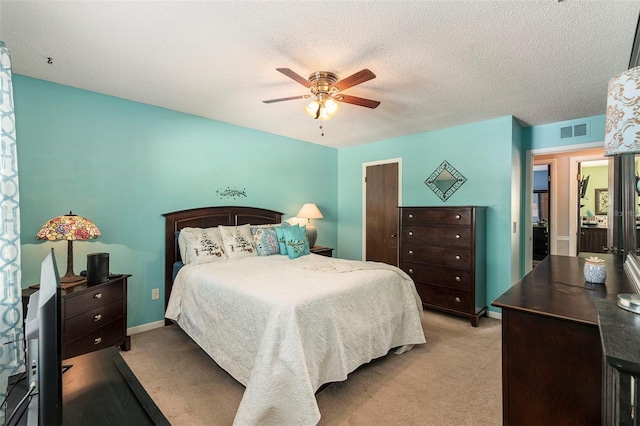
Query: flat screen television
[[42, 403]]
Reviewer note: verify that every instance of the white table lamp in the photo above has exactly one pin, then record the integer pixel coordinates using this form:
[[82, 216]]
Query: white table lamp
[[622, 137], [310, 211]]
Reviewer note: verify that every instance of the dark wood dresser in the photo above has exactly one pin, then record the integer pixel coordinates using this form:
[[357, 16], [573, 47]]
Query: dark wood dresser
[[552, 363], [540, 242], [444, 250], [322, 251], [620, 336], [93, 317], [593, 239]]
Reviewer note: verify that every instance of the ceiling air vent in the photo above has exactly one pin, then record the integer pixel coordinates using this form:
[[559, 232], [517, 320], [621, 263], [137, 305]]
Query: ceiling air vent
[[576, 131]]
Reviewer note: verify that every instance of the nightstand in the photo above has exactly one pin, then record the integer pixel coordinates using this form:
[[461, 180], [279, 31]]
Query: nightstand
[[93, 317], [321, 250]]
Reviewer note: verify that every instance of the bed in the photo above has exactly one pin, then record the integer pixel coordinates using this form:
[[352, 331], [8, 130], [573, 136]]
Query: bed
[[284, 327]]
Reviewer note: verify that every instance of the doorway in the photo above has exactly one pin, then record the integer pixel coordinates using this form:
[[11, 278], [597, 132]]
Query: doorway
[[593, 214], [381, 193], [541, 211], [563, 187]]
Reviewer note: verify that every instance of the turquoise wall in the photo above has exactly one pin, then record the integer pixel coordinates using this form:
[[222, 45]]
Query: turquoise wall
[[548, 135], [516, 200], [122, 164], [481, 152]]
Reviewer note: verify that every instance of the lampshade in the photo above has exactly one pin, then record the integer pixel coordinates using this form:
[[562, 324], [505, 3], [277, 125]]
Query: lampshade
[[623, 114], [69, 227], [323, 107], [622, 136], [310, 211]]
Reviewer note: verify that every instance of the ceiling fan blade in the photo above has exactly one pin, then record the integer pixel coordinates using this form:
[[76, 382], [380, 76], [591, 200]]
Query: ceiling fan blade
[[270, 101], [355, 100], [289, 73], [352, 80]]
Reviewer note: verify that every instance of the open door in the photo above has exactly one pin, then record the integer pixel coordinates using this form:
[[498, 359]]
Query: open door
[[541, 211]]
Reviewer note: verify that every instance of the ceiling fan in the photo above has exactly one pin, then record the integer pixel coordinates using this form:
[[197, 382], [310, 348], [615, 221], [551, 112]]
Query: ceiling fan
[[325, 90]]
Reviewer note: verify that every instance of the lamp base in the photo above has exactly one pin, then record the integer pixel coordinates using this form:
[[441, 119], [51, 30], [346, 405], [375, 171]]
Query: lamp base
[[71, 279], [312, 234], [629, 302]]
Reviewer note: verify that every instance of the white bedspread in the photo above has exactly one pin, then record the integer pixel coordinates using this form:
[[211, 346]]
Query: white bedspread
[[285, 327]]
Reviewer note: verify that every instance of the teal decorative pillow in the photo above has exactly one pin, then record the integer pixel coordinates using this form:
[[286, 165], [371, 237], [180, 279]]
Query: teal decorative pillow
[[266, 240], [282, 246], [296, 241]]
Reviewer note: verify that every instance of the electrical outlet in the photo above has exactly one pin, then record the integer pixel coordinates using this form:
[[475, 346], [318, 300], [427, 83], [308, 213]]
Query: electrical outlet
[[155, 294]]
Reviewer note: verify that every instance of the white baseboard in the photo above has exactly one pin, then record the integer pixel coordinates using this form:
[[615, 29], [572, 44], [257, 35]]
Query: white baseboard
[[145, 327], [496, 315]]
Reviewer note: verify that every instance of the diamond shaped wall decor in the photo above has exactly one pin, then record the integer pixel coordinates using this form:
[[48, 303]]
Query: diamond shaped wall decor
[[445, 180]]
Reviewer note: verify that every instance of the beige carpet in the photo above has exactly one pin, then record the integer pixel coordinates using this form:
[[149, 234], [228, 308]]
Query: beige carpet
[[453, 379]]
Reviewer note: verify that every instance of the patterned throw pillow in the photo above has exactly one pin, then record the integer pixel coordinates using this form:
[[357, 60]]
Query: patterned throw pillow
[[280, 234], [266, 240], [297, 241], [199, 245], [237, 241]]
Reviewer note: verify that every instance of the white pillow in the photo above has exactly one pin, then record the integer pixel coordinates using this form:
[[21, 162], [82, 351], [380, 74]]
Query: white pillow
[[182, 244], [199, 245], [238, 241]]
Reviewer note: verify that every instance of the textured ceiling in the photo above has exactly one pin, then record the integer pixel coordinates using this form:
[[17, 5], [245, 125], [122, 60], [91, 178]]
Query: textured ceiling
[[438, 63]]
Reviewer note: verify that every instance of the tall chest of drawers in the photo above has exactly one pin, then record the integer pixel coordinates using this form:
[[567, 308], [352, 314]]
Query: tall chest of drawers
[[443, 249]]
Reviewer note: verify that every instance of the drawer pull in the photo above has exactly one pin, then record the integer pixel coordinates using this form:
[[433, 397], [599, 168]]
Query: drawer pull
[[458, 279], [458, 216], [457, 257], [410, 251], [457, 299], [97, 340], [97, 317], [457, 236], [97, 296], [410, 233], [410, 270]]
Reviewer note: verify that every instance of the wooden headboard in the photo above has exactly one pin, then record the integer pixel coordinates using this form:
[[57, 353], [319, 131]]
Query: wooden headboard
[[206, 217]]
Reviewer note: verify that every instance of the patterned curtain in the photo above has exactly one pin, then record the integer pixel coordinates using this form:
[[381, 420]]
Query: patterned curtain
[[11, 346]]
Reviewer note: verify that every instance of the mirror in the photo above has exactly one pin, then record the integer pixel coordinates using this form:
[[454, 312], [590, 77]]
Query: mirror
[[594, 195], [445, 180]]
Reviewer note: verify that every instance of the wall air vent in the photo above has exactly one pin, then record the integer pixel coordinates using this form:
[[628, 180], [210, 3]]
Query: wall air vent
[[576, 131], [580, 130]]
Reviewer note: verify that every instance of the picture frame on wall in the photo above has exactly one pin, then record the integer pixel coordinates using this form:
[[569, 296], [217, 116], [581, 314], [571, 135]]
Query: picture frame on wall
[[602, 201]]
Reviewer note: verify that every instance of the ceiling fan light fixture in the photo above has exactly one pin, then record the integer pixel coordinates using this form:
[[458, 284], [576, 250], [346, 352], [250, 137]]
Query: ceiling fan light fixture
[[325, 88], [322, 108], [312, 109], [331, 108]]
